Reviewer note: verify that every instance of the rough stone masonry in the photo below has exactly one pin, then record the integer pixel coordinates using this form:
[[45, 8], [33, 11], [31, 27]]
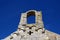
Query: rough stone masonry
[[35, 31]]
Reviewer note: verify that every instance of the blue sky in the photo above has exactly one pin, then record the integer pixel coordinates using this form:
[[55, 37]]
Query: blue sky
[[10, 13]]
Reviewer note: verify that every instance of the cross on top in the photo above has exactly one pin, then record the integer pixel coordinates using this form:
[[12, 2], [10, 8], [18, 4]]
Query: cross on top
[[30, 32]]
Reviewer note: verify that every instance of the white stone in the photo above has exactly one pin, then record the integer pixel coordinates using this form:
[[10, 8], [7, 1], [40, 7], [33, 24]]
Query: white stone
[[36, 32]]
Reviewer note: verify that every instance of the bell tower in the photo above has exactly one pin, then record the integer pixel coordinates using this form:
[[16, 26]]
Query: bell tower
[[38, 19]]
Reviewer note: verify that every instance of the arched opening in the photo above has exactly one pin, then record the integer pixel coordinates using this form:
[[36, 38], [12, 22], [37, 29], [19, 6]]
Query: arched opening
[[31, 17]]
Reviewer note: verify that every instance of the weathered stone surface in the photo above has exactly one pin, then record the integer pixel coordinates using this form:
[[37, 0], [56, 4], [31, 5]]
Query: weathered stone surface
[[32, 31]]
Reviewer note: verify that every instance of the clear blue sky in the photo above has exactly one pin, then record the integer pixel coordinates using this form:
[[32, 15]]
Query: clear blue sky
[[10, 12]]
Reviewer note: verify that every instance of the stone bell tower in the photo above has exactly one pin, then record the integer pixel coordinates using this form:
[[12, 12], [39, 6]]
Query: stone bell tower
[[38, 19], [35, 31]]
